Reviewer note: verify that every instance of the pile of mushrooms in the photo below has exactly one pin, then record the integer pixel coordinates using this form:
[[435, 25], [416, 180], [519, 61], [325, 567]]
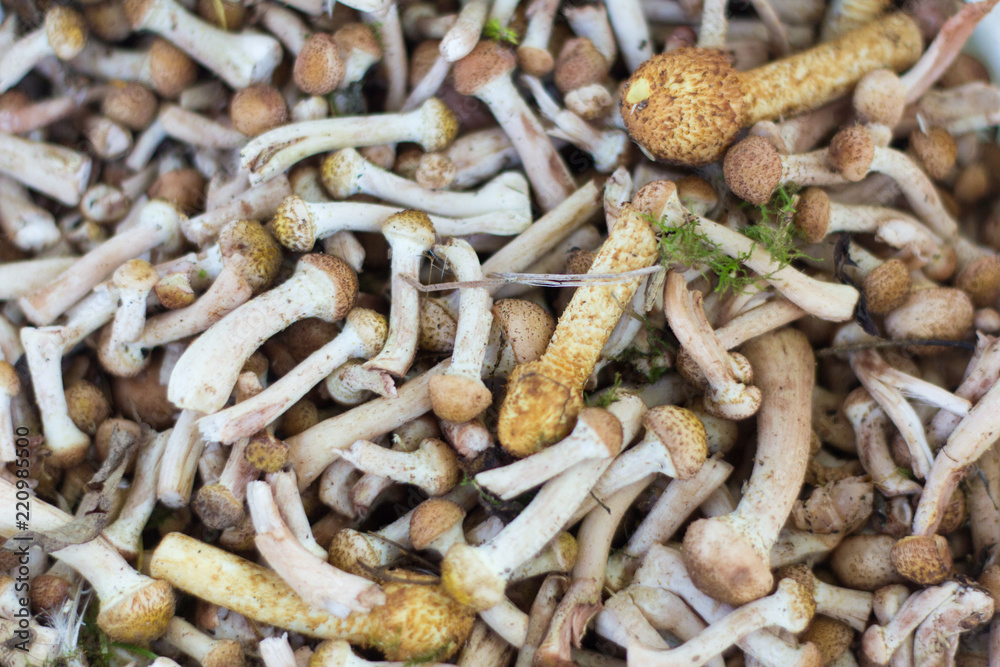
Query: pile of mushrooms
[[493, 332]]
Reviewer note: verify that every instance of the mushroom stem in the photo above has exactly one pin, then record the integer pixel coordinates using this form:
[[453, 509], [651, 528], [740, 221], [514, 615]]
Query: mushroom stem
[[125, 534], [53, 170]]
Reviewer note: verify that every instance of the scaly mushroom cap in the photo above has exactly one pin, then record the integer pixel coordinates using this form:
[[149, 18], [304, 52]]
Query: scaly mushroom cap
[[419, 620], [880, 97], [526, 325], [851, 152], [319, 67], [723, 563], [484, 63], [171, 69], [87, 406], [131, 104], [135, 274], [260, 252], [293, 225], [936, 150], [66, 31], [812, 214], [682, 433], [696, 192], [887, 287], [48, 592], [685, 106], [225, 653], [981, 280], [831, 637], [257, 109], [469, 580], [217, 507], [925, 560], [753, 169], [10, 383], [359, 36], [338, 272], [439, 127], [410, 227], [938, 313], [371, 327], [456, 398], [579, 64], [431, 519], [266, 452], [141, 616]]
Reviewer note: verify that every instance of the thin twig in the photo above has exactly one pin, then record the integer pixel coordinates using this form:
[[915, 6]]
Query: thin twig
[[855, 347], [539, 279]]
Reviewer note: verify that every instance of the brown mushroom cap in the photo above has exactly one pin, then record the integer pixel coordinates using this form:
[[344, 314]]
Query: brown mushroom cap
[[48, 592], [260, 252], [485, 63], [526, 326], [851, 152], [862, 562], [266, 452], [102, 439], [340, 274], [457, 398], [141, 616], [740, 577], [925, 560], [753, 169], [696, 192], [257, 109], [358, 36], [579, 64], [423, 58], [880, 97], [431, 519], [981, 280], [887, 286], [66, 31], [131, 104], [293, 225], [87, 405], [936, 150], [184, 188], [107, 20], [812, 214], [175, 291], [830, 636], [230, 18], [217, 506], [685, 106], [938, 313], [172, 70], [319, 67], [682, 433]]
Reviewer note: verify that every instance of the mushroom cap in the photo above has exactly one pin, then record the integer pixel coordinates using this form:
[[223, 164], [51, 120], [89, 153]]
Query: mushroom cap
[[683, 435], [225, 14], [937, 313], [605, 425], [579, 260], [469, 579], [171, 69], [87, 406], [340, 172], [830, 636], [753, 169], [139, 617], [10, 382], [410, 229], [431, 519], [936, 150], [358, 36], [880, 97], [579, 64], [439, 125], [184, 188], [862, 562], [535, 61], [319, 66], [457, 398], [526, 326], [257, 109], [424, 55], [685, 106], [981, 280], [418, 619], [851, 152], [131, 104], [531, 425], [266, 452], [812, 214], [217, 506], [435, 171], [724, 564], [438, 325], [694, 191], [136, 274], [102, 439], [923, 559], [293, 225], [66, 31], [371, 327], [224, 653], [342, 278], [887, 286], [486, 62], [48, 592], [260, 252]]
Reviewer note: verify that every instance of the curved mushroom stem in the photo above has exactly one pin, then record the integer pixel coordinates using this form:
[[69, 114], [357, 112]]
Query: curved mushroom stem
[[783, 361], [125, 534], [880, 641]]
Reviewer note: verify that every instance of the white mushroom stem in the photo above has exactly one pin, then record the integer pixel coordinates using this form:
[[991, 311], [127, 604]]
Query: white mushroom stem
[[476, 575], [970, 439], [239, 59], [125, 534], [394, 60], [712, 33], [322, 286], [591, 22], [936, 638], [844, 604], [783, 363], [195, 129], [870, 426], [880, 641], [589, 439], [286, 25], [432, 466], [410, 234], [10, 386], [583, 598], [191, 641], [790, 608], [886, 603], [25, 276], [276, 652], [622, 621], [347, 173], [668, 514], [728, 395], [289, 501], [258, 203], [983, 372], [180, 461], [432, 125], [918, 189], [870, 364], [315, 581], [666, 611], [479, 156], [158, 225], [53, 170], [634, 38], [27, 225], [362, 336], [607, 147], [824, 300], [133, 606], [663, 568]]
